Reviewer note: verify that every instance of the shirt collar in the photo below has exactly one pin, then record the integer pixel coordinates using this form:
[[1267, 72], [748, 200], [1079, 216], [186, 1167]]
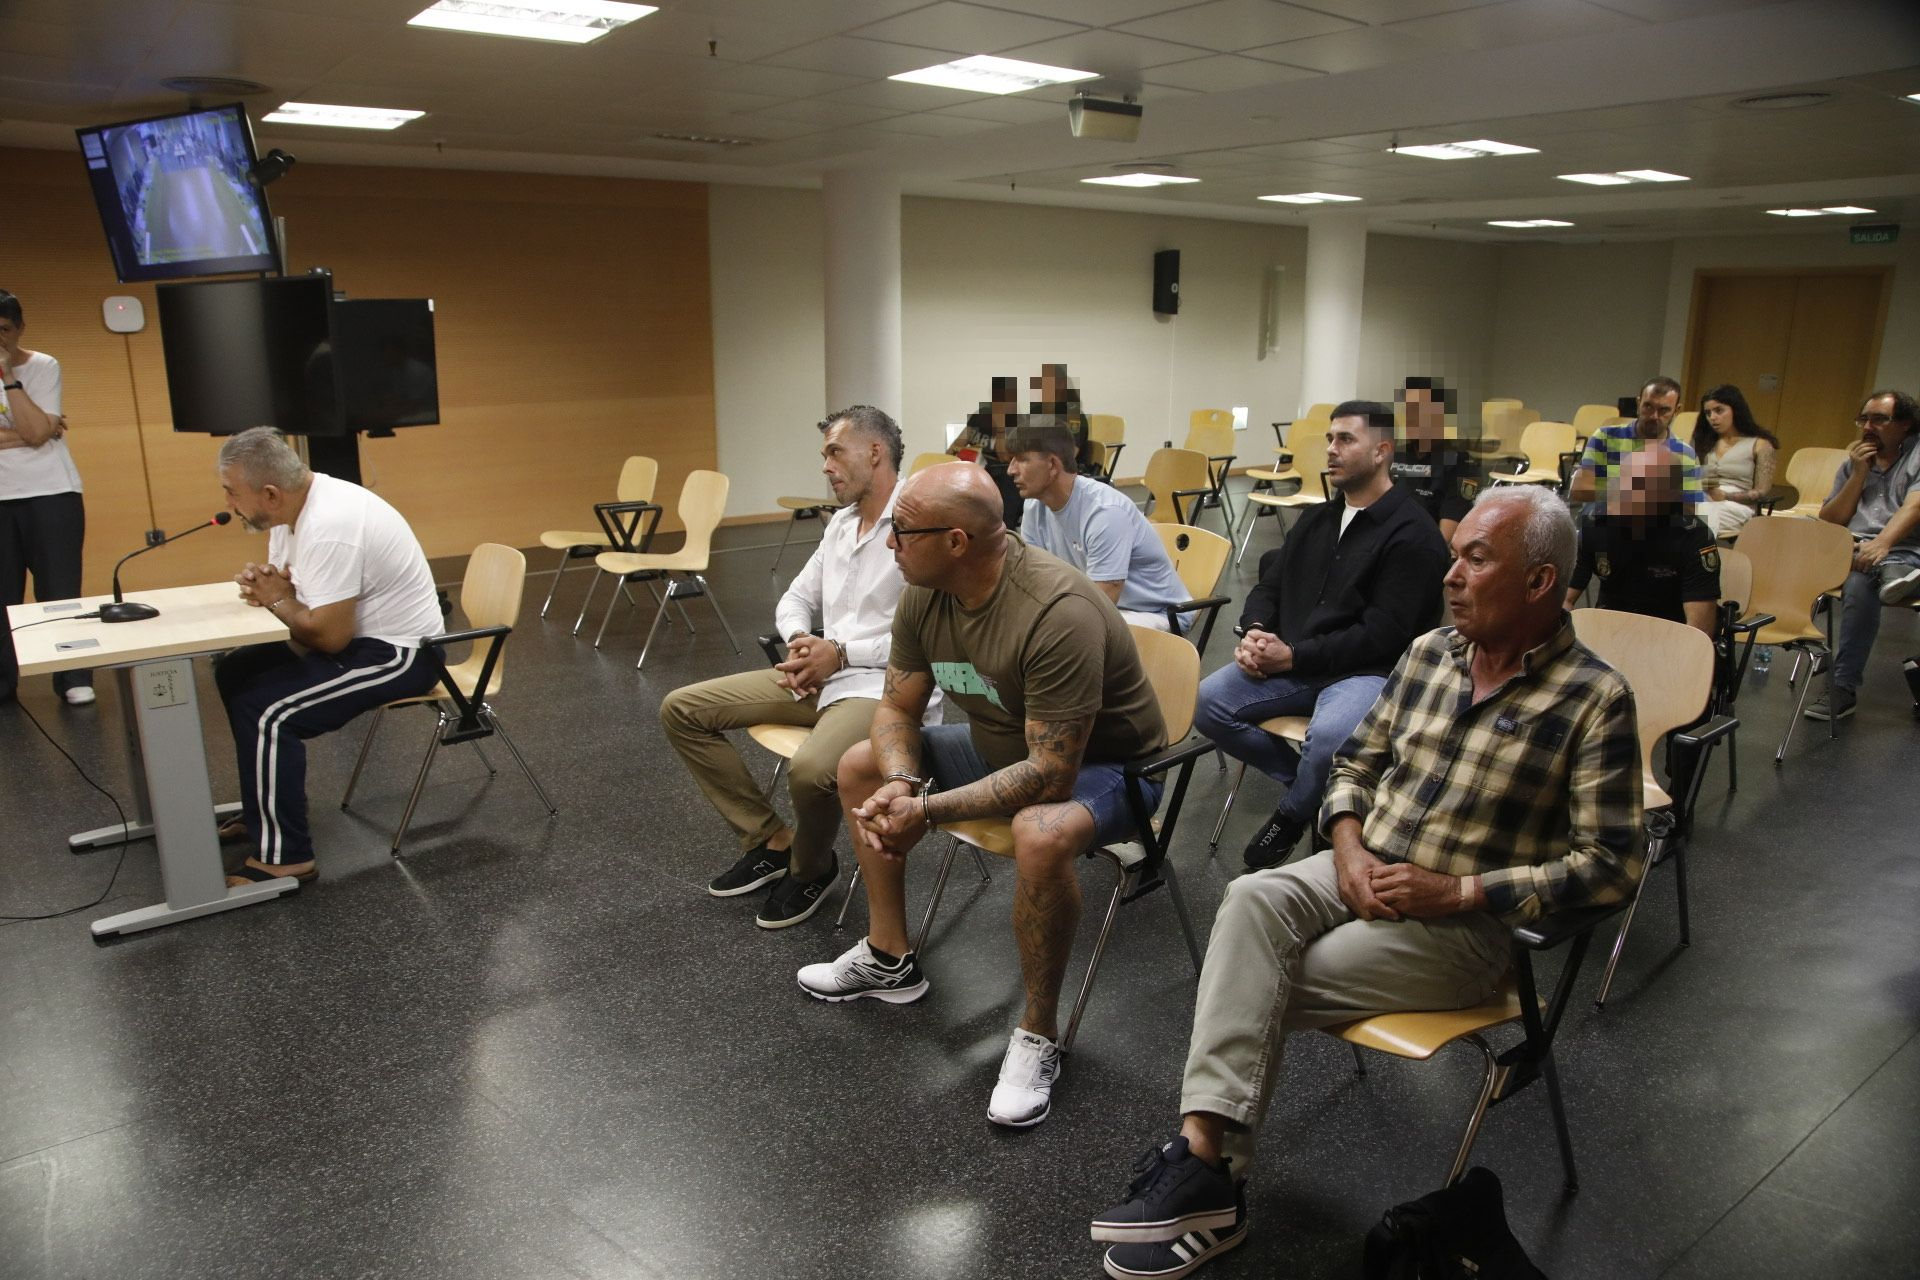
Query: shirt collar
[[1533, 659]]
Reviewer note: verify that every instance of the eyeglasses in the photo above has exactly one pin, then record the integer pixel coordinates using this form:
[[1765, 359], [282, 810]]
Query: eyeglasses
[[896, 532], [1873, 420]]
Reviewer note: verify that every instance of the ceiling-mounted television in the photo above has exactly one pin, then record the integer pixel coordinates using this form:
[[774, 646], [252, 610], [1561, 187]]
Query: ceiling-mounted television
[[174, 197]]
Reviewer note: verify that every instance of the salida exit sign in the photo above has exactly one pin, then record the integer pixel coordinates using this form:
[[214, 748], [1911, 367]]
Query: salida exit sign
[[1873, 233]]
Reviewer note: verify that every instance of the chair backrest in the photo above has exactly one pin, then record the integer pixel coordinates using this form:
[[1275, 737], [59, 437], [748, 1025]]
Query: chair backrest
[[1198, 556], [1810, 471], [1668, 665], [1793, 562], [1307, 438], [922, 461], [703, 500], [1210, 431], [1544, 442], [1169, 471], [1736, 578], [1107, 428], [637, 478], [490, 597], [1681, 428], [1504, 421], [1173, 669], [1589, 418], [1096, 457]]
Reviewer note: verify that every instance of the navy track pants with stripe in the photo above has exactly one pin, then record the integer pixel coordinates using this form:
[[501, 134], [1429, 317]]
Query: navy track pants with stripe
[[276, 699]]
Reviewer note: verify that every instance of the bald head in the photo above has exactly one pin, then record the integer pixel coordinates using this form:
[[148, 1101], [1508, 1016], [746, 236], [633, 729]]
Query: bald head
[[959, 495], [947, 532]]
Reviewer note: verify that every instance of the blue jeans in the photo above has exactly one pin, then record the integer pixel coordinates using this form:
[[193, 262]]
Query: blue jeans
[[1860, 617], [1232, 704], [1101, 789]]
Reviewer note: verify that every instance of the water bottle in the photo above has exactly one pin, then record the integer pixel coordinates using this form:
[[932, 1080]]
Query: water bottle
[[1763, 659]]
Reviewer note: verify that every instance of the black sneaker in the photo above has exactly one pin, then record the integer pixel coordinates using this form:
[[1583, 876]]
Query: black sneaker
[[1172, 1258], [794, 900], [756, 867], [1839, 708], [1173, 1193], [1273, 842]]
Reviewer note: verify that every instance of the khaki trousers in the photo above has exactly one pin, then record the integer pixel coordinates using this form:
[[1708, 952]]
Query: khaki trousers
[[1286, 955], [696, 719]]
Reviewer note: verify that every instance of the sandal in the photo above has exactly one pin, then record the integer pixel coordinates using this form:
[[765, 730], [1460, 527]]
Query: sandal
[[257, 876], [234, 830]]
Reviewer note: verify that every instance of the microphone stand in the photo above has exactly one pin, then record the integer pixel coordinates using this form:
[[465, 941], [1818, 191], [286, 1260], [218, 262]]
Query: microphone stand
[[122, 610]]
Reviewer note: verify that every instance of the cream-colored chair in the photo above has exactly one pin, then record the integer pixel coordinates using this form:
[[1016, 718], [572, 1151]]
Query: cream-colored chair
[[1198, 557], [490, 597], [1210, 431], [922, 461], [1589, 418], [1542, 443], [1794, 563], [1110, 431], [1173, 475], [1290, 729], [1502, 424], [1142, 865], [802, 509], [1810, 473], [1681, 428], [619, 530], [1313, 491], [1306, 438], [703, 500]]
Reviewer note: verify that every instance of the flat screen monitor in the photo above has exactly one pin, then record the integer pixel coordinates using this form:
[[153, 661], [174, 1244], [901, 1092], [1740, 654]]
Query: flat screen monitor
[[250, 353], [384, 350], [174, 197]]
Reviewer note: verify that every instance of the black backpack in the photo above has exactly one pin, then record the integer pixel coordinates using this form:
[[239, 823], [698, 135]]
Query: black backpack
[[1457, 1233]]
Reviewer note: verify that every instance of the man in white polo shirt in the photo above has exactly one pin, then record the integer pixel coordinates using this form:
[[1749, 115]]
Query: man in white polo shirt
[[348, 578]]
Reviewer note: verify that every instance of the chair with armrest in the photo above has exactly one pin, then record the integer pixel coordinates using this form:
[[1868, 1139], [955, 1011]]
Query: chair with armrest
[[1173, 475], [1545, 444], [703, 499], [490, 594], [921, 461], [1313, 491], [1419, 1036], [1810, 474], [1110, 430], [1198, 556], [1290, 729], [1794, 562], [1589, 418], [1669, 666], [1140, 866], [1503, 424], [1210, 431], [801, 509], [1732, 624], [620, 528]]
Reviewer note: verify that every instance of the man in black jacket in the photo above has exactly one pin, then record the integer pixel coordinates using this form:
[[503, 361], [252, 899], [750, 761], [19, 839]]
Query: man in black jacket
[[1336, 606]]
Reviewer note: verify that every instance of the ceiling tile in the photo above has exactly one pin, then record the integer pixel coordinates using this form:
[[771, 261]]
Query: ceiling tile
[[932, 125], [829, 115], [1356, 50], [823, 17], [902, 96], [1675, 10], [966, 28], [1223, 73], [1231, 25], [33, 69], [1093, 13], [1307, 150], [1514, 23], [259, 44], [1379, 11], [1112, 53], [784, 82], [850, 55], [1007, 110]]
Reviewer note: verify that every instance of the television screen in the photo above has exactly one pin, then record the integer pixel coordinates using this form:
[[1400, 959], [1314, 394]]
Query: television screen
[[384, 350], [174, 197], [249, 353]]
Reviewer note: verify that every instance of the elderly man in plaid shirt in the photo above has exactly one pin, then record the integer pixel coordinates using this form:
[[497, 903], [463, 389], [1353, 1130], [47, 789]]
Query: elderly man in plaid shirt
[[1496, 780]]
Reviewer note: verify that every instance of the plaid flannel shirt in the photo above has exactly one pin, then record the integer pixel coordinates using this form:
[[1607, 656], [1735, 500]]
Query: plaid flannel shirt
[[1535, 789]]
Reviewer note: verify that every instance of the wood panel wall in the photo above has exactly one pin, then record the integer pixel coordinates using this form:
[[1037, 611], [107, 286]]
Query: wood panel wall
[[573, 322]]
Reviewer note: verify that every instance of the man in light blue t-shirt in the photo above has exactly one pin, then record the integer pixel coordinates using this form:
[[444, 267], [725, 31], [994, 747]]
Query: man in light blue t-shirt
[[1092, 526]]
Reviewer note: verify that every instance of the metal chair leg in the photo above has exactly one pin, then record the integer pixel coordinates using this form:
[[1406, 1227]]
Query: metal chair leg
[[1099, 949], [1655, 847], [587, 599], [980, 861], [853, 883], [714, 600], [555, 588], [477, 750], [1180, 910], [1680, 888], [792, 521], [419, 782], [1220, 825], [933, 903], [360, 761], [1359, 1060], [773, 783], [1487, 1081], [659, 616], [1560, 1130], [1246, 536], [493, 719], [612, 600], [1800, 707]]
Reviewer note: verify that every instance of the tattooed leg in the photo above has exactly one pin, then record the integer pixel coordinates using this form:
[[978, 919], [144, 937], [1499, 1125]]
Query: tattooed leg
[[1047, 838], [885, 879]]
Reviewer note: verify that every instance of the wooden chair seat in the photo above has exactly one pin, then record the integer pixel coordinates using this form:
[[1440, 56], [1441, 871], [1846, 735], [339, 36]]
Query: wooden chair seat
[[1653, 795], [808, 504], [781, 739], [1301, 499], [1271, 476], [1785, 633], [562, 539], [1532, 475], [1421, 1035], [1291, 728]]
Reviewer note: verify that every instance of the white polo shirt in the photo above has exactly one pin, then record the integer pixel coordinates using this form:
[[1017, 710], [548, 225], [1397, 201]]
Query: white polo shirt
[[42, 469], [348, 544]]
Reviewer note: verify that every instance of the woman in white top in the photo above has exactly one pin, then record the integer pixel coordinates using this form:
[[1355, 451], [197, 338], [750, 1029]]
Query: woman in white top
[[42, 518], [1736, 460]]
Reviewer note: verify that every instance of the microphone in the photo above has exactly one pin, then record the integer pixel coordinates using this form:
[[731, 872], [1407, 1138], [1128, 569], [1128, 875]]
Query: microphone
[[132, 611]]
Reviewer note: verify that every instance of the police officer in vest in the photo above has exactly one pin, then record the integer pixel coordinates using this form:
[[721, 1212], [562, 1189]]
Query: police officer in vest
[[1436, 471], [1649, 555]]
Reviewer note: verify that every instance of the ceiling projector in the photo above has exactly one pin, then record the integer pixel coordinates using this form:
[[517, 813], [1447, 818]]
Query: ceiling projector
[[1103, 118]]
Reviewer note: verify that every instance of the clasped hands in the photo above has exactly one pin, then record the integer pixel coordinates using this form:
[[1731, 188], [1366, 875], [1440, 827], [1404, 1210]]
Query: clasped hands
[[1376, 890], [810, 660], [1260, 654], [264, 585], [891, 821]]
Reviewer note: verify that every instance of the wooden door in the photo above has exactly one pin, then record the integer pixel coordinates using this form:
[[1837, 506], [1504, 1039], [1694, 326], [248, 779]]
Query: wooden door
[[1802, 345]]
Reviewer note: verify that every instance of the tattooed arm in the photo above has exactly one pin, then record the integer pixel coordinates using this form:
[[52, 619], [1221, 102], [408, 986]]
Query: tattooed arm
[[896, 721], [1054, 749]]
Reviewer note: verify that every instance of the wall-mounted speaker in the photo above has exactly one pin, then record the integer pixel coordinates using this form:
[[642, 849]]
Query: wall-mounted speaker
[[1166, 282]]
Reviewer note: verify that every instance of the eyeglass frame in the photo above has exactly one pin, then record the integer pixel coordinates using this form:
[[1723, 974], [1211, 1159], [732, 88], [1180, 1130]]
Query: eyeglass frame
[[1873, 420], [895, 532]]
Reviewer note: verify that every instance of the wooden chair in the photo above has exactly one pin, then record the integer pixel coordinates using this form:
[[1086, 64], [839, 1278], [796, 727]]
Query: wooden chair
[[1669, 666], [1210, 431], [619, 530], [1198, 556], [1733, 623], [490, 596], [1810, 474], [1589, 418], [1794, 562], [1681, 428], [1545, 444], [1109, 430], [1290, 729], [703, 500], [1313, 491], [802, 509], [1502, 425], [921, 461], [1306, 438], [1141, 866], [1173, 474], [1099, 462]]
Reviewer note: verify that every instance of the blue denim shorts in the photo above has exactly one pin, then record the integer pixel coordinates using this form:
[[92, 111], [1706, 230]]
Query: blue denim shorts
[[1101, 789]]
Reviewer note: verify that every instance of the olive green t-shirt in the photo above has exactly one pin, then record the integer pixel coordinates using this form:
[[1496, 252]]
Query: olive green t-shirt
[[1047, 645]]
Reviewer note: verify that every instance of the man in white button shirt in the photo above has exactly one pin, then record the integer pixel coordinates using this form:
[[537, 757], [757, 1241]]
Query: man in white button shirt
[[829, 683]]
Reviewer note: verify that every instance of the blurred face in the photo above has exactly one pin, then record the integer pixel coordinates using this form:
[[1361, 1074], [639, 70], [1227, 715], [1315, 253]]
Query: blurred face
[[847, 461], [1354, 454], [1656, 412], [1719, 417], [1032, 471], [1877, 425], [1490, 587], [1645, 486], [1426, 416], [10, 336]]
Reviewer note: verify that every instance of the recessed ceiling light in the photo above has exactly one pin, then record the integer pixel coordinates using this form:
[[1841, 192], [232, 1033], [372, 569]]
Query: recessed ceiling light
[[568, 21], [339, 117], [1139, 180], [1624, 177], [1846, 208], [1654, 175], [1464, 150], [1794, 213], [1310, 197], [1789, 101], [1527, 224], [984, 73], [1913, 97], [1821, 212]]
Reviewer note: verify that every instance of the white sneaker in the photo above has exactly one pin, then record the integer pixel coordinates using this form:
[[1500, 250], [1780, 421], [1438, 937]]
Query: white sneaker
[[858, 972], [1901, 587], [81, 695], [1024, 1094]]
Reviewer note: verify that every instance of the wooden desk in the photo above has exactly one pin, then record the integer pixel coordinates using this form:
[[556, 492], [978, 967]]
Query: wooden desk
[[167, 757]]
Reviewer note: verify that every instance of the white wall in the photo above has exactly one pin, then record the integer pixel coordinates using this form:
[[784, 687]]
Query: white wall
[[1427, 310], [1580, 323]]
